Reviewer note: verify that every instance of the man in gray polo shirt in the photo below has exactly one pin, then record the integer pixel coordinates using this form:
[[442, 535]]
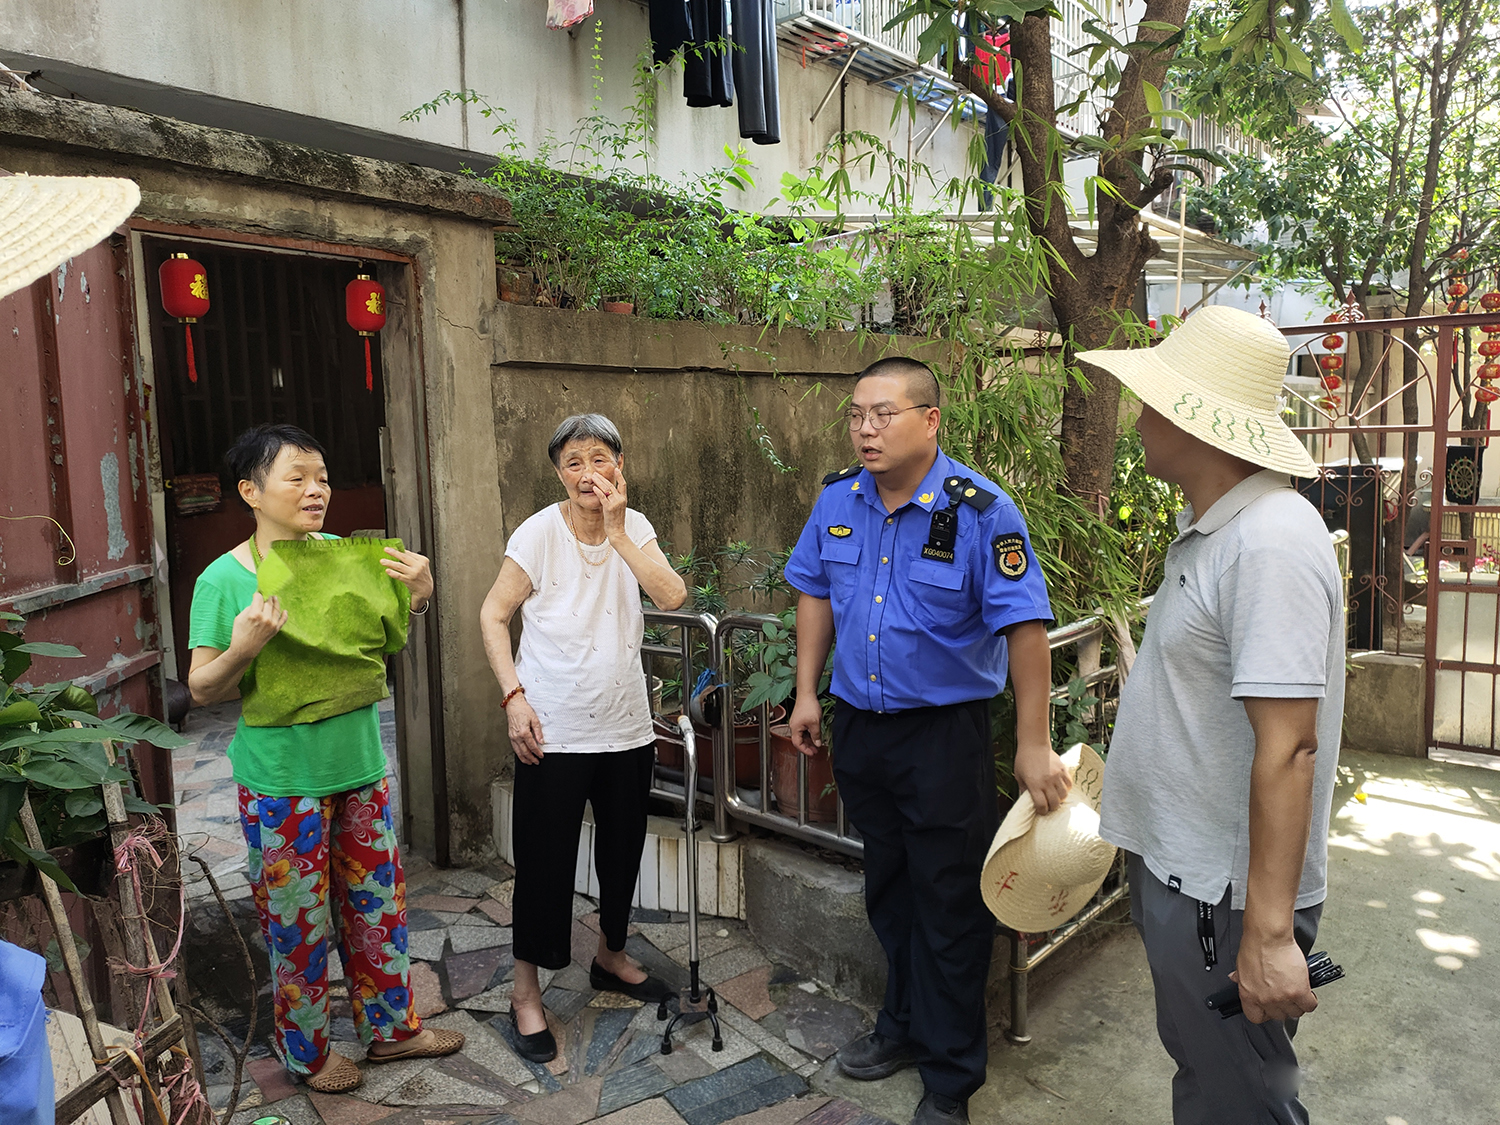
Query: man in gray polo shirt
[[1221, 768]]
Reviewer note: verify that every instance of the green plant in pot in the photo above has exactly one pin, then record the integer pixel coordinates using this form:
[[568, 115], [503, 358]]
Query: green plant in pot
[[55, 749], [773, 684]]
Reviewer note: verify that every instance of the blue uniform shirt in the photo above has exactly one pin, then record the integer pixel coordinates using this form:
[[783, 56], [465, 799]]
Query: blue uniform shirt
[[915, 631]]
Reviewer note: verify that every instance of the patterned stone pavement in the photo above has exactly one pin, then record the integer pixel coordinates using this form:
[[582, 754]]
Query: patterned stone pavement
[[779, 1031]]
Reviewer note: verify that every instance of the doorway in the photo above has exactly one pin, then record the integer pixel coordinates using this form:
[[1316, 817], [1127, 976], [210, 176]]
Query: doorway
[[274, 347]]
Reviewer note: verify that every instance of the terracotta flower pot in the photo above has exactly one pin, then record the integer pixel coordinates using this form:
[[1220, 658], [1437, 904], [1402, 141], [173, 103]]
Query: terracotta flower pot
[[746, 748], [822, 798], [623, 308]]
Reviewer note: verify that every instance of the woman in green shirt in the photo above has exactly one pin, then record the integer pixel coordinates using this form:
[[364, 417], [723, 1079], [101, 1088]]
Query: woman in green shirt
[[312, 795]]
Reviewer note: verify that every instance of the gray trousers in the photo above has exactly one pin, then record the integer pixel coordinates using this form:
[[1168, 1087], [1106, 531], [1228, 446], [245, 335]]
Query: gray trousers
[[1229, 1072]]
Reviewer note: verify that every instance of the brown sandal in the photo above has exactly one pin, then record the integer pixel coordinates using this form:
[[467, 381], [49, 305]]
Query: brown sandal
[[338, 1075], [443, 1043]]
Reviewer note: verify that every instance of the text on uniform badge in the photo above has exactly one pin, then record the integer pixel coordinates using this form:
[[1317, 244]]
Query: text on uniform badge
[[1010, 556]]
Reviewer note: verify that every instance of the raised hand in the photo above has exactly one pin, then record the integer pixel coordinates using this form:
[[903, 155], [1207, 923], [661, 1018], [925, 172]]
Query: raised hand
[[612, 501], [412, 569], [256, 624]]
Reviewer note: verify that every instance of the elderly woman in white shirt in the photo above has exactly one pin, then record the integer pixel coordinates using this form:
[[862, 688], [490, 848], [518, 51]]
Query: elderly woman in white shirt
[[579, 714]]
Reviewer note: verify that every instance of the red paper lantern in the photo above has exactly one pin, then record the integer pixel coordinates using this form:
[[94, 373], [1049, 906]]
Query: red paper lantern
[[1489, 348], [1457, 289], [1490, 302], [1332, 382], [364, 308], [184, 294], [1333, 341], [1488, 371], [1330, 405], [1487, 394], [1330, 362]]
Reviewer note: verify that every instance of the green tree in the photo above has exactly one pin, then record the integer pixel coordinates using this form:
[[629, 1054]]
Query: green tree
[[1139, 158]]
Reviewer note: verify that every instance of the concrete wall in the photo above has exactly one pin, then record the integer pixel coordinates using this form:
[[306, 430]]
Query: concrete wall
[[216, 185], [364, 65], [682, 395], [1385, 699]]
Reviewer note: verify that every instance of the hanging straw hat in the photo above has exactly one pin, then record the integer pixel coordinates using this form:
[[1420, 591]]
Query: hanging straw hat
[[45, 220], [1042, 870], [1217, 377]]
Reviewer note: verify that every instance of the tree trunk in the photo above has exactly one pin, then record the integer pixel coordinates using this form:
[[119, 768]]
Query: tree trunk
[[1089, 293]]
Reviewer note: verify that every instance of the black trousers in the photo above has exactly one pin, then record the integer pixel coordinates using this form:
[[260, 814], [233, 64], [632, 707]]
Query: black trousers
[[546, 815], [756, 79], [920, 787]]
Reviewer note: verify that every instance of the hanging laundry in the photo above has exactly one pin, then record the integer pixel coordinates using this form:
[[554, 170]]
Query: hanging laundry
[[563, 14], [671, 27], [706, 79], [755, 71], [993, 65]]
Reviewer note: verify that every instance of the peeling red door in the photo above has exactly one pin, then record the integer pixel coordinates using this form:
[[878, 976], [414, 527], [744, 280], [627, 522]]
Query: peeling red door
[[75, 450]]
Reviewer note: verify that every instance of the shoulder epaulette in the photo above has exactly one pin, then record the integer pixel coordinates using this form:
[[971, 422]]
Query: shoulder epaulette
[[969, 493], [840, 474]]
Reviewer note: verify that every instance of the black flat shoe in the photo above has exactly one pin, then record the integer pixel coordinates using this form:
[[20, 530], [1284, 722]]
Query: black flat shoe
[[539, 1047], [650, 990]]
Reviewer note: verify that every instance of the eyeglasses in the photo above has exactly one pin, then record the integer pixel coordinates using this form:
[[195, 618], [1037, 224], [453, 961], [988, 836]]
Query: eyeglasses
[[880, 417]]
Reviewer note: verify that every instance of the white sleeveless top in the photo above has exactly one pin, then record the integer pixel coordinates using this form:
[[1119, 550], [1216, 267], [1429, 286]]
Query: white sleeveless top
[[581, 631]]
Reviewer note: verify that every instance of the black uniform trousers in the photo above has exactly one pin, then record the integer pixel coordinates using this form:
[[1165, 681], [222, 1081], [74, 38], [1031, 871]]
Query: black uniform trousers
[[546, 814], [920, 787]]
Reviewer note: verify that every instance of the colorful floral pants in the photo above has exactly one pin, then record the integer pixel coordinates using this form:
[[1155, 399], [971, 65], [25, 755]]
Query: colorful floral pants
[[300, 848]]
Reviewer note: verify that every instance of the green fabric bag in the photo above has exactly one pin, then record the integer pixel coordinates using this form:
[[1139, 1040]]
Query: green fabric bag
[[344, 614]]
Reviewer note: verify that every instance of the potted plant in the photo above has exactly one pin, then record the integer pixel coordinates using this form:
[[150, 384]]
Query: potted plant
[[55, 749], [773, 684]]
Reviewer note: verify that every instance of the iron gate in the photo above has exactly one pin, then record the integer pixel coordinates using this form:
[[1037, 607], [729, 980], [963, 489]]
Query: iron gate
[[1400, 469]]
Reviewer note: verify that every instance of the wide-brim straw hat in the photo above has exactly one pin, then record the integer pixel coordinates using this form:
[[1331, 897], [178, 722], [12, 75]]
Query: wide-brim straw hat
[[1218, 376], [1042, 870], [45, 220]]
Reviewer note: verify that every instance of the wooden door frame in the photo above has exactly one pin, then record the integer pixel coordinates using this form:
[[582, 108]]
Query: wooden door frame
[[419, 714]]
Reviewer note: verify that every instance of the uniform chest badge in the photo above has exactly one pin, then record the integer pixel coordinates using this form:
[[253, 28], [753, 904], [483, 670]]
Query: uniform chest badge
[[1010, 556], [926, 497], [839, 531]]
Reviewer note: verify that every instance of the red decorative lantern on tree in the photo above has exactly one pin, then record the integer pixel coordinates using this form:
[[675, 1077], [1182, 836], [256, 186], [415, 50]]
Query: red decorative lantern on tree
[[1333, 341], [364, 307], [1330, 362], [1490, 301], [1457, 289], [1332, 382], [1489, 348], [184, 294], [1488, 371], [1487, 394], [1329, 405]]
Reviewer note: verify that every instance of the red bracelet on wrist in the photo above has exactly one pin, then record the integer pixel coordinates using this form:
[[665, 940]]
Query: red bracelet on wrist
[[511, 694]]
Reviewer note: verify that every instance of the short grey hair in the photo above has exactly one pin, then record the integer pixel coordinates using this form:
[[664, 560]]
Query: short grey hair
[[579, 427]]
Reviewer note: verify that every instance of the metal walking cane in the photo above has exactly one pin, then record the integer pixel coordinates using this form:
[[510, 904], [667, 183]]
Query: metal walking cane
[[696, 1001]]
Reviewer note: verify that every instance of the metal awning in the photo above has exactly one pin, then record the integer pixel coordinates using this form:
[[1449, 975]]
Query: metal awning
[[1206, 261]]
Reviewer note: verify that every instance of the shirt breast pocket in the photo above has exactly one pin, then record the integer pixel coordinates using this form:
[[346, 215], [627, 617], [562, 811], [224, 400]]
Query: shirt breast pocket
[[841, 561], [939, 594]]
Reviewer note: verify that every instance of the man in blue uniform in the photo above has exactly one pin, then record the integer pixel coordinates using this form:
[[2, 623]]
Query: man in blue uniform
[[925, 573]]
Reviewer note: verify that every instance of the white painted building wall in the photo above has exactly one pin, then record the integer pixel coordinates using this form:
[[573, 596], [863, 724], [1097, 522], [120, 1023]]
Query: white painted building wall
[[365, 64]]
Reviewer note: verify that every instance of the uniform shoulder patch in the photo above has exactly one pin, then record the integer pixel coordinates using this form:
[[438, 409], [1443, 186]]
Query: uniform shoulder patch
[[839, 531], [840, 474], [1011, 559]]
